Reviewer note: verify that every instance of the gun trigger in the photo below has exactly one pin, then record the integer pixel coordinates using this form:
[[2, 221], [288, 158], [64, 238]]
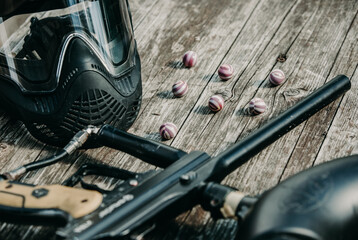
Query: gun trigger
[[94, 187], [141, 235]]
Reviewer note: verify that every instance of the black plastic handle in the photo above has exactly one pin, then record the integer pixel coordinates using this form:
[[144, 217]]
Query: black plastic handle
[[149, 151]]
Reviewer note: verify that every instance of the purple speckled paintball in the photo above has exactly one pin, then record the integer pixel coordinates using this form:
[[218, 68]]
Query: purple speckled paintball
[[180, 88], [277, 77], [216, 103], [257, 106], [168, 130], [225, 72], [190, 58]]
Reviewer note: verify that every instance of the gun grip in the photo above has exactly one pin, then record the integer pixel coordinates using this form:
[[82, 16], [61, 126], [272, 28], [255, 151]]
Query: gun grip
[[75, 202]]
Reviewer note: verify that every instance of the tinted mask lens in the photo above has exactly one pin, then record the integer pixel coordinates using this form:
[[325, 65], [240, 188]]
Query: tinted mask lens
[[33, 44]]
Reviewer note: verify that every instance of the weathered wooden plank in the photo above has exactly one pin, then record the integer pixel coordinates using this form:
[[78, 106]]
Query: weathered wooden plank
[[252, 38], [140, 9], [307, 67], [341, 137], [315, 134], [17, 146], [176, 27]]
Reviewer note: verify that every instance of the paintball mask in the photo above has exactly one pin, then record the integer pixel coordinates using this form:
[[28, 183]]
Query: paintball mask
[[67, 64]]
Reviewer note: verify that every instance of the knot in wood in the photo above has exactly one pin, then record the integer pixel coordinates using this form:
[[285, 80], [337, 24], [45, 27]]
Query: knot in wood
[[293, 94], [225, 93], [3, 146]]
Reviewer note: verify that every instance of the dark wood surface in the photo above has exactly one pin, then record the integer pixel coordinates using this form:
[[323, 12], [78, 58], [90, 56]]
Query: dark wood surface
[[320, 40]]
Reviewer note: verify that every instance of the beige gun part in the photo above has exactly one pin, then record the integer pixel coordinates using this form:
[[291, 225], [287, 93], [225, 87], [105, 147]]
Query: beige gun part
[[76, 202]]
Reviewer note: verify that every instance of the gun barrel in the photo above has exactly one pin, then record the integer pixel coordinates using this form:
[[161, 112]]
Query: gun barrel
[[152, 152], [241, 152]]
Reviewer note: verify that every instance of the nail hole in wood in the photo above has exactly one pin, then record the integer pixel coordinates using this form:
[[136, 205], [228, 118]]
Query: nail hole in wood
[[282, 57]]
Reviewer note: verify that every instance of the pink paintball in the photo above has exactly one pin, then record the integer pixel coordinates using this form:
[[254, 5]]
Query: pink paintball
[[277, 77], [190, 58], [216, 103], [257, 106], [225, 72], [168, 130], [180, 88]]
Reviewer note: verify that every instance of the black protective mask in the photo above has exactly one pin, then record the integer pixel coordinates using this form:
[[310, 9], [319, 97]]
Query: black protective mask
[[68, 64]]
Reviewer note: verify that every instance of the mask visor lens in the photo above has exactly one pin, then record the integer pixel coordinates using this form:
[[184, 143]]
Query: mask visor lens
[[32, 44]]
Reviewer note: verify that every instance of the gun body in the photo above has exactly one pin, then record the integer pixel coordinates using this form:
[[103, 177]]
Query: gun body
[[165, 191]]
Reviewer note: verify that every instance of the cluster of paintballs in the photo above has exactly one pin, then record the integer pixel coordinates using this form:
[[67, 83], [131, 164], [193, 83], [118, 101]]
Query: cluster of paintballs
[[216, 102]]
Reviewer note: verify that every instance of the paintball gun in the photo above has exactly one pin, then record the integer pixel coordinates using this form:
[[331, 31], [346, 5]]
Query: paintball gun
[[299, 208]]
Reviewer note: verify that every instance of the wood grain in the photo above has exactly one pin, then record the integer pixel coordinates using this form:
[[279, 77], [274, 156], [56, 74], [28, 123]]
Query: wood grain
[[319, 39]]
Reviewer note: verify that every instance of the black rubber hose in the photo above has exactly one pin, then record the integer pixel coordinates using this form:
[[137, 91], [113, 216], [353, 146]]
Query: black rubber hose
[[46, 162]]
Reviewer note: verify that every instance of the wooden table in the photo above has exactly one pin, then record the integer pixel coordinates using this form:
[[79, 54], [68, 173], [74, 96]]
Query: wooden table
[[319, 40]]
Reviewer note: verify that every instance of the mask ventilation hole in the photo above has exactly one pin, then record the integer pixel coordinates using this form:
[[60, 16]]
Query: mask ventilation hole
[[70, 75], [125, 85], [45, 104], [94, 66], [133, 112], [95, 107]]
